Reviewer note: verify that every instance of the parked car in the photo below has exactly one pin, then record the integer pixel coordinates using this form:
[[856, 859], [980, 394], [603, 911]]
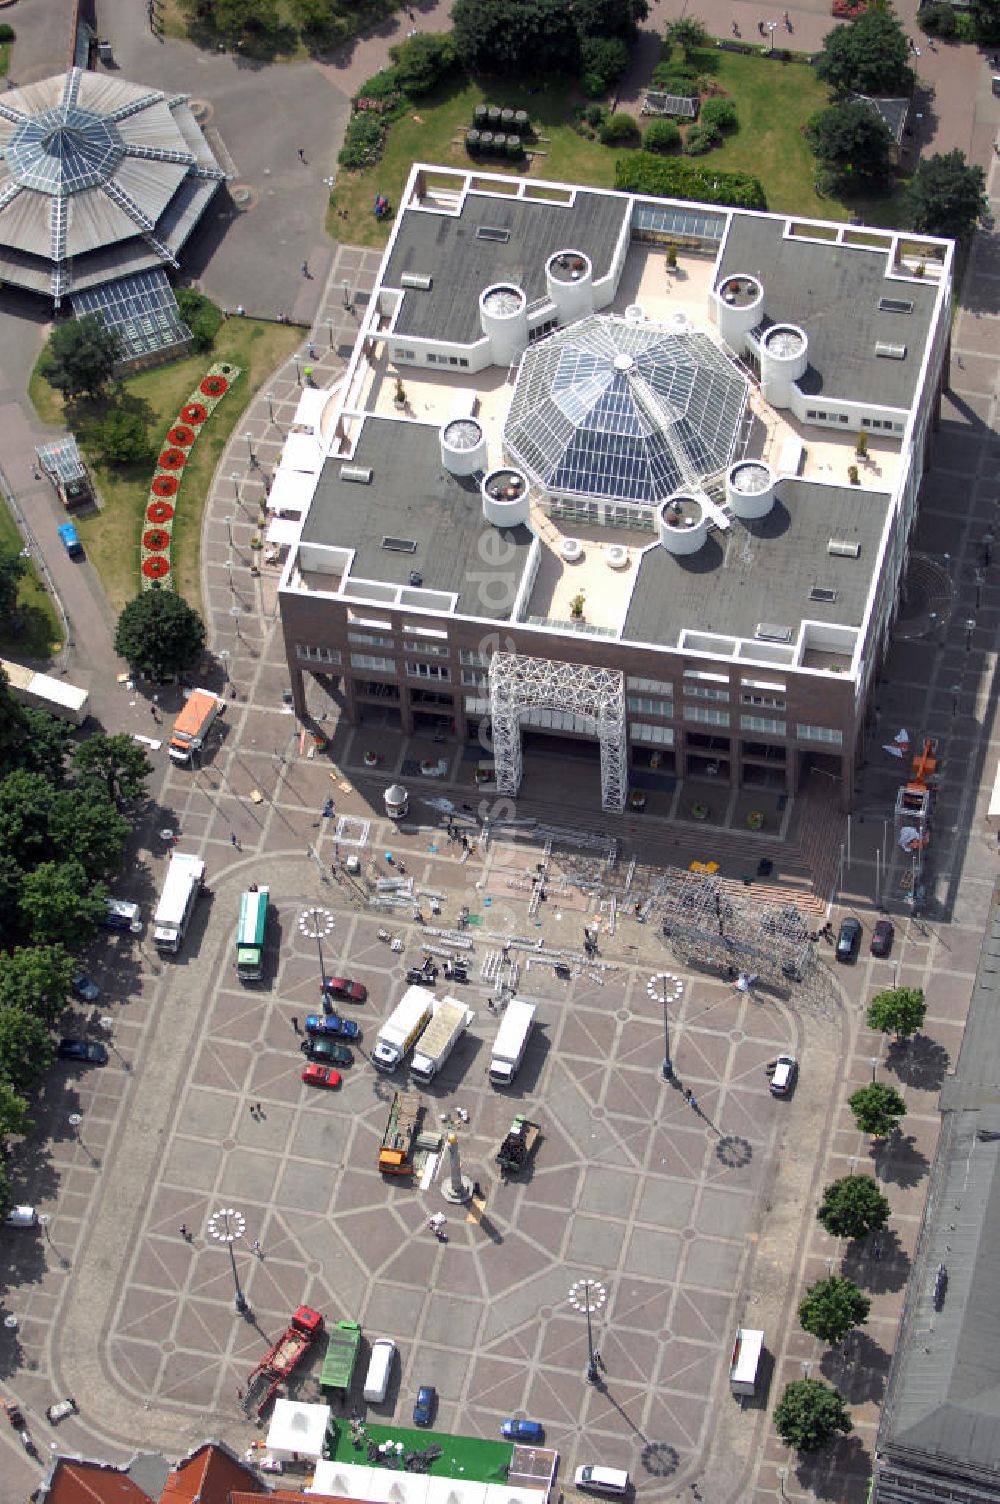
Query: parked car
[[522, 1430], [327, 1050], [85, 989], [321, 1075], [425, 1405], [882, 937], [70, 540], [343, 987], [782, 1073], [333, 1024], [848, 939], [608, 1480], [85, 1050]]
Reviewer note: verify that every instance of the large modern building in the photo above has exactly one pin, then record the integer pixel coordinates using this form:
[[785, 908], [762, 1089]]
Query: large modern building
[[573, 489]]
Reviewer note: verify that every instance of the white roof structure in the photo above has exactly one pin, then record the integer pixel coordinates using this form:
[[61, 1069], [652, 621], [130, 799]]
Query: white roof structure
[[310, 409], [297, 1428], [291, 492], [98, 177], [302, 451]]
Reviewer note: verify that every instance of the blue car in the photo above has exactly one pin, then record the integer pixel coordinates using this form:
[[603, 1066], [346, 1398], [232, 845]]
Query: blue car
[[84, 988], [425, 1405], [71, 540], [522, 1430], [332, 1023]]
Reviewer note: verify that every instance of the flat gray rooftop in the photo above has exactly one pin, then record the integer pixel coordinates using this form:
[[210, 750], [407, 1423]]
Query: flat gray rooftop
[[412, 497], [833, 292], [463, 265], [763, 571]]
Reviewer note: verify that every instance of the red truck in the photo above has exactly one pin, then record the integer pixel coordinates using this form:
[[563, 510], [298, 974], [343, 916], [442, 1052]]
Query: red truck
[[301, 1332]]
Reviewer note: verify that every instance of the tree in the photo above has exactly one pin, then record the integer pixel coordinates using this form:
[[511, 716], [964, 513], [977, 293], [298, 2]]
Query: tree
[[809, 1415], [248, 24], [832, 1308], [937, 20], [662, 135], [898, 1010], [877, 1108], [159, 634], [12, 571], [867, 56], [14, 1120], [946, 196], [201, 315], [986, 20], [421, 62], [44, 747], [516, 36], [117, 764], [609, 18], [58, 905], [36, 979], [87, 828], [851, 139], [687, 33], [81, 356], [26, 1049], [122, 437], [602, 60], [26, 801], [852, 1207], [619, 130]]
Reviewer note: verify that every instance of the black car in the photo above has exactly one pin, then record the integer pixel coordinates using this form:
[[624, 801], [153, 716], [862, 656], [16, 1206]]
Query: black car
[[329, 1051], [848, 939], [882, 937], [84, 1050]]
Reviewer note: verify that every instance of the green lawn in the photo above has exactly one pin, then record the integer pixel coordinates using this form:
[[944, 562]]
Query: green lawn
[[111, 536], [42, 633], [466, 1457]]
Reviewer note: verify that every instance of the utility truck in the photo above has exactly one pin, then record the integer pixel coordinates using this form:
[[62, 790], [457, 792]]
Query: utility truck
[[341, 1355], [395, 1157], [201, 709], [450, 1021], [278, 1362], [402, 1028], [184, 880]]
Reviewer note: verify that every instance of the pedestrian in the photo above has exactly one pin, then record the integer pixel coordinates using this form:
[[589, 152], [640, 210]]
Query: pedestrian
[[253, 1110], [302, 155], [736, 29], [305, 269], [295, 1022], [762, 28], [311, 347], [255, 1247], [492, 1007], [234, 839], [260, 1110], [693, 1100], [184, 1232]]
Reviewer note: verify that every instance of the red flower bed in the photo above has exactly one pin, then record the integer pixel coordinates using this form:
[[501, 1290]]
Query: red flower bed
[[172, 459], [181, 435], [155, 567], [165, 485], [156, 539], [159, 511], [194, 412], [215, 386]]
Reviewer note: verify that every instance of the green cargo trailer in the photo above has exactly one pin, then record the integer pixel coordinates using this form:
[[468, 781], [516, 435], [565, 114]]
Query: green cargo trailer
[[341, 1356]]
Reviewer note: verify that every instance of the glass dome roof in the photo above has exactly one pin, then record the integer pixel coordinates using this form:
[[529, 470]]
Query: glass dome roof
[[64, 150]]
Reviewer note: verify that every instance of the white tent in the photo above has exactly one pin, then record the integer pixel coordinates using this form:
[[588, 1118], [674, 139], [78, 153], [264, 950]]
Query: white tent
[[351, 1480], [310, 408], [455, 1491], [332, 1479], [302, 452], [291, 493], [283, 532], [509, 1493], [297, 1429]]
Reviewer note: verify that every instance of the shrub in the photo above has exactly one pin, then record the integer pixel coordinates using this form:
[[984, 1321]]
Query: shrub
[[363, 141], [594, 114], [965, 27], [672, 177], [662, 135], [201, 315], [674, 80], [382, 95], [421, 62], [604, 57], [620, 130], [720, 113], [593, 85], [937, 20], [700, 139], [6, 32]]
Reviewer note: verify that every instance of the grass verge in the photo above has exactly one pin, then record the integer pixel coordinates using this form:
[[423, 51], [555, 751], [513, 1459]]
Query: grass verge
[[41, 633], [111, 535]]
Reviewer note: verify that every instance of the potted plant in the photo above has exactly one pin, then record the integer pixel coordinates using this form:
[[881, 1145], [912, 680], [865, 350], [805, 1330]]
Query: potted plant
[[576, 607], [755, 820], [699, 811], [853, 475], [861, 447], [371, 758], [399, 399], [671, 258]]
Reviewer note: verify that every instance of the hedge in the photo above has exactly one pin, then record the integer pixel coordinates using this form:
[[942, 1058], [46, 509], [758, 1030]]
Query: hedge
[[670, 177]]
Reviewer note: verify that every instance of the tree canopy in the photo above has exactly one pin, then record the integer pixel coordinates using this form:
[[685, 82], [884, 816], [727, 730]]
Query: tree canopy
[[946, 196], [877, 1108], [687, 33], [867, 56], [851, 139], [35, 979], [833, 1307], [810, 1414], [159, 634], [516, 36], [897, 1010], [117, 764], [81, 356], [59, 906], [852, 1207], [12, 570]]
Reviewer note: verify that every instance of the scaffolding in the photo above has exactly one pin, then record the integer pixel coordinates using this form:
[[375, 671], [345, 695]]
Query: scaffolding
[[708, 924], [595, 696]]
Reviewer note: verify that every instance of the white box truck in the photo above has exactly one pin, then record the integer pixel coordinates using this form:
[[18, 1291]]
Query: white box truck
[[511, 1041], [403, 1027], [745, 1362], [450, 1021], [185, 876]]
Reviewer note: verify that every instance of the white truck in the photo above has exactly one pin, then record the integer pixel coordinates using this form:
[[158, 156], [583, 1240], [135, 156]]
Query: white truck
[[185, 877], [403, 1027], [511, 1041], [450, 1021]]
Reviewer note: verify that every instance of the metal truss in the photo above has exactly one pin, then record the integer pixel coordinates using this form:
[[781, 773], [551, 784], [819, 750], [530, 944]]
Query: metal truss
[[596, 695], [709, 925]]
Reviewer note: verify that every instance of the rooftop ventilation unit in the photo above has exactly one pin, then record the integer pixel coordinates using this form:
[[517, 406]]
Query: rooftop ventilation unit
[[492, 232], [821, 593], [890, 352], [895, 305], [766, 631], [400, 545], [416, 281], [361, 475], [841, 549]]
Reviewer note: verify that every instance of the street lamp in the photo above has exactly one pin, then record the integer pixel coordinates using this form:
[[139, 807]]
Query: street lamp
[[235, 478], [314, 924], [589, 1295], [224, 657], [329, 327], [253, 457], [270, 405], [665, 989], [347, 292], [851, 1163], [970, 627], [980, 582], [235, 612], [225, 1226], [956, 690], [298, 371], [229, 525], [874, 1059]]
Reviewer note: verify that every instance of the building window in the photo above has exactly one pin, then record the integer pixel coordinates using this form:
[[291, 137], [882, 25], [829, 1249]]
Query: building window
[[706, 716], [316, 655], [432, 649], [706, 692], [661, 736], [428, 671], [647, 706], [654, 686], [404, 355], [370, 661], [473, 660], [475, 678], [819, 734], [370, 640], [764, 723], [476, 706], [764, 700]]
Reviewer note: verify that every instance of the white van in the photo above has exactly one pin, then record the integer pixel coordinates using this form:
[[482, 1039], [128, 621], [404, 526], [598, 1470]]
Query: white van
[[21, 1216], [745, 1361], [379, 1370], [607, 1480]]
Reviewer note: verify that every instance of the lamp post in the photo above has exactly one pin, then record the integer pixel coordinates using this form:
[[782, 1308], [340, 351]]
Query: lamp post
[[666, 988], [235, 613], [980, 582], [956, 690], [298, 369], [329, 329], [314, 924], [229, 525], [236, 479], [224, 657], [874, 1060], [347, 292], [225, 1226], [970, 627], [589, 1295], [270, 405], [253, 457]]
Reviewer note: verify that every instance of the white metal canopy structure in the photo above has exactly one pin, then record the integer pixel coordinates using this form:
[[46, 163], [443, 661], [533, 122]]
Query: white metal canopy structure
[[594, 699]]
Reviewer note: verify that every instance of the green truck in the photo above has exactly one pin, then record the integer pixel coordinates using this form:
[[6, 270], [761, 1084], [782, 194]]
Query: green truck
[[341, 1356]]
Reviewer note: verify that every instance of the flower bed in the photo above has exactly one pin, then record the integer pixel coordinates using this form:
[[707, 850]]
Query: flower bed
[[166, 483]]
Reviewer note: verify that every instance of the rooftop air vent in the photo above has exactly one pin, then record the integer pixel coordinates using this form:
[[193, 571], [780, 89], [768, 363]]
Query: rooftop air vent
[[400, 545], [890, 352], [492, 232], [416, 281], [821, 593], [841, 549], [361, 475], [895, 305], [766, 631]]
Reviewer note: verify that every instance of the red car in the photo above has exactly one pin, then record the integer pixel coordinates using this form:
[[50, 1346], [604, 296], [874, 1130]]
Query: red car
[[343, 987], [321, 1075]]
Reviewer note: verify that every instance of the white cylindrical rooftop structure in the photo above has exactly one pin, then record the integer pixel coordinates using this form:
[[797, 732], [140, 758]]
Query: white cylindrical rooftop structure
[[397, 801], [739, 305], [784, 356], [463, 446], [569, 282], [506, 499], [683, 523], [503, 313], [750, 488]]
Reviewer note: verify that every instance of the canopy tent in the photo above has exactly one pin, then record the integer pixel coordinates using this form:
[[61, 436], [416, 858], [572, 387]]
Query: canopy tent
[[302, 452], [350, 1480], [291, 492], [509, 1493], [283, 532], [310, 409], [297, 1429], [456, 1491]]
